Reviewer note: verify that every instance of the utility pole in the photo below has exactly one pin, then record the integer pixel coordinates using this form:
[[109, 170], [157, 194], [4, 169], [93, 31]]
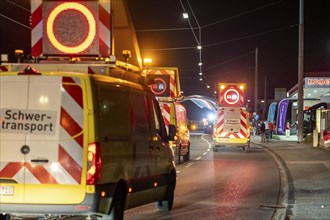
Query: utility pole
[[301, 73], [265, 99], [256, 82]]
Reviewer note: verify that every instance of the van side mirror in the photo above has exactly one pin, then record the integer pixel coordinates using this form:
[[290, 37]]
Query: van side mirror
[[171, 132]]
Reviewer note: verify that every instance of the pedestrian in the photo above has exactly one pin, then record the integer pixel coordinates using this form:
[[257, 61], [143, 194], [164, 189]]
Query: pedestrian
[[287, 129], [254, 126], [271, 129], [263, 132], [266, 131]]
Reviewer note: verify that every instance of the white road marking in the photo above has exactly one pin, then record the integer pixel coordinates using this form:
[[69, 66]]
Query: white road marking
[[189, 164], [200, 157]]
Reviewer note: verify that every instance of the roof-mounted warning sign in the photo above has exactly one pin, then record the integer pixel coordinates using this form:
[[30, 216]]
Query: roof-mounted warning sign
[[77, 28]]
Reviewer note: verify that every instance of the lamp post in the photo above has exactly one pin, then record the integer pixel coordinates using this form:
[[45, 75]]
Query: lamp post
[[301, 73], [256, 82]]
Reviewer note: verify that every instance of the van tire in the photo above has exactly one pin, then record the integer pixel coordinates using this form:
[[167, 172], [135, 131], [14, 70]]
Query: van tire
[[5, 217], [247, 148], [177, 155], [118, 204], [186, 157], [167, 204]]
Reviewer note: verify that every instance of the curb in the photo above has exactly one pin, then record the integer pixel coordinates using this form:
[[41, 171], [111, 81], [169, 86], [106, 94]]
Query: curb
[[286, 192]]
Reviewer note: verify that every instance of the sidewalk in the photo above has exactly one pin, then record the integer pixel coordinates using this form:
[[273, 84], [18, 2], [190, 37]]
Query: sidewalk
[[306, 177]]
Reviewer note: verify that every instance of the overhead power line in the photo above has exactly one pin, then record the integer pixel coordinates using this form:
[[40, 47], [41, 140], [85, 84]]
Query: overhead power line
[[165, 29], [225, 41], [18, 6], [191, 27], [250, 36], [170, 48], [241, 14], [210, 24], [19, 23], [228, 61]]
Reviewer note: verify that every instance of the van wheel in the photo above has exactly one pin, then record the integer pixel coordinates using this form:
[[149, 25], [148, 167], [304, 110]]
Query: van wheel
[[186, 157], [5, 217], [177, 156], [247, 148], [215, 148], [167, 204], [118, 204]]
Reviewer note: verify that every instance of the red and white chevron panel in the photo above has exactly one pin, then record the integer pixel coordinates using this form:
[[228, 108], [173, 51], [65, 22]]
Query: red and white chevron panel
[[3, 68], [172, 79], [166, 112], [219, 131], [68, 168], [36, 28], [105, 27]]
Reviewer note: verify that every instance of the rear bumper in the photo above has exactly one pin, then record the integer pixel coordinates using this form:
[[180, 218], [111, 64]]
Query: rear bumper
[[87, 207], [219, 141]]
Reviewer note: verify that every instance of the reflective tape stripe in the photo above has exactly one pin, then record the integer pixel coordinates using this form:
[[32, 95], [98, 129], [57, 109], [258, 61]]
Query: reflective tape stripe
[[10, 169], [69, 164], [40, 173], [3, 68], [104, 28], [36, 30]]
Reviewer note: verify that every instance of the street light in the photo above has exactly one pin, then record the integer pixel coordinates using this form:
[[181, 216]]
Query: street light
[[185, 15], [147, 61]]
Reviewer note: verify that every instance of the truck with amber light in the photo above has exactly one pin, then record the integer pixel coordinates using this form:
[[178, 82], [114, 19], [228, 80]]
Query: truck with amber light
[[231, 127], [165, 84]]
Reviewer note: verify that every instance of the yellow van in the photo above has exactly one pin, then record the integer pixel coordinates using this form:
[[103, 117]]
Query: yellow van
[[81, 144], [174, 113]]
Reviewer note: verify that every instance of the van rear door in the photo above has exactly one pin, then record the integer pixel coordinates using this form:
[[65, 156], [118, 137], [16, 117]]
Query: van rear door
[[41, 139]]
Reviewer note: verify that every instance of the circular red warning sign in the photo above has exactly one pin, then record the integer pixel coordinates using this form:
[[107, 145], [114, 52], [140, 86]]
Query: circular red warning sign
[[231, 96], [159, 87], [54, 39]]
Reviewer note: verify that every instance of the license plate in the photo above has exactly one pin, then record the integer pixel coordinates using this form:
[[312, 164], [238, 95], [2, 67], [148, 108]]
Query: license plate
[[223, 139], [7, 190]]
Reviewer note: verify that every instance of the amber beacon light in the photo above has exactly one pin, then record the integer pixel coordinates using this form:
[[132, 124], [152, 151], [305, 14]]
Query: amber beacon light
[[91, 24]]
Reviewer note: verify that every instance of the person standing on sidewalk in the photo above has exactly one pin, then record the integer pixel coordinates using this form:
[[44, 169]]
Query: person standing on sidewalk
[[287, 129], [263, 132], [266, 131], [254, 126], [271, 129]]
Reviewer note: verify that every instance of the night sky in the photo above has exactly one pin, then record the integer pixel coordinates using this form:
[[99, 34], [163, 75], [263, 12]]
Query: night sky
[[230, 32]]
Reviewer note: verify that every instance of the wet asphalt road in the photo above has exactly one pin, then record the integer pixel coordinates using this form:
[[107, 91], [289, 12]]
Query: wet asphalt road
[[229, 184]]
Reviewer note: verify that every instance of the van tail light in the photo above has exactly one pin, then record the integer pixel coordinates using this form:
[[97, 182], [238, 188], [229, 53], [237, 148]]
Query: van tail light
[[93, 163]]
